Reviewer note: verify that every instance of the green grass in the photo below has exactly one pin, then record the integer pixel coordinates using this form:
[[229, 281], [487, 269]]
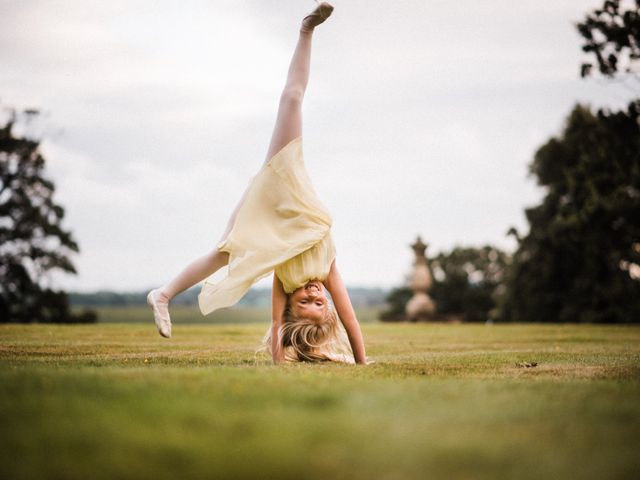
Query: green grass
[[442, 401]]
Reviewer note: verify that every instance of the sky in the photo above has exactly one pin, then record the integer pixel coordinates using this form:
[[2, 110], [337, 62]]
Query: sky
[[420, 118]]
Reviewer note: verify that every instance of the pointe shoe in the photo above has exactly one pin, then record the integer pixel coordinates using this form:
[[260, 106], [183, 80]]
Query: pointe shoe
[[160, 314], [315, 18]]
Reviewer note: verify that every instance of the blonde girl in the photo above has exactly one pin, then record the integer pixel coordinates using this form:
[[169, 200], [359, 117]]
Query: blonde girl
[[280, 226]]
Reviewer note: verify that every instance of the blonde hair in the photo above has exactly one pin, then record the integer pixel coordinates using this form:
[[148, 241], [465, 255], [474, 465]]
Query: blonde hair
[[305, 340]]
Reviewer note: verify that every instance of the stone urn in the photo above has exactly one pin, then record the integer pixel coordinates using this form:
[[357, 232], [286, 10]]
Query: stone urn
[[420, 306]]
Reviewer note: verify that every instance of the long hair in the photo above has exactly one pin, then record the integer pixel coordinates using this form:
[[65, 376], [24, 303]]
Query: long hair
[[305, 340]]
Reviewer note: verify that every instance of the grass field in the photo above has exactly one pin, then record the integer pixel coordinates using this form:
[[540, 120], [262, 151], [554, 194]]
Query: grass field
[[443, 401]]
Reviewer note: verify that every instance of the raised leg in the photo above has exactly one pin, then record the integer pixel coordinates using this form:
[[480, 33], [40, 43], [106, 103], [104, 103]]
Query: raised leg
[[289, 119]]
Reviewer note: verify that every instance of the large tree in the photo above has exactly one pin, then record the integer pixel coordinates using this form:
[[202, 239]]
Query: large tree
[[580, 260], [32, 239]]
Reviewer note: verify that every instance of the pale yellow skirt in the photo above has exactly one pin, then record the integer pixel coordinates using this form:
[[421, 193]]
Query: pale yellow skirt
[[280, 218]]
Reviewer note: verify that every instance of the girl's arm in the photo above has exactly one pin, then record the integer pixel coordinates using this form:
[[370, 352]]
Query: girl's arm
[[342, 302], [278, 304]]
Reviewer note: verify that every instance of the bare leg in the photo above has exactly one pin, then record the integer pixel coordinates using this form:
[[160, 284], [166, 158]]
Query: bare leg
[[195, 272], [158, 299], [289, 120]]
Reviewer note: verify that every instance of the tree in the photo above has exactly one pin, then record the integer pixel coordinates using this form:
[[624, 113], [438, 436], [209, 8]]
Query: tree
[[612, 35], [396, 300], [467, 283], [32, 239], [580, 261]]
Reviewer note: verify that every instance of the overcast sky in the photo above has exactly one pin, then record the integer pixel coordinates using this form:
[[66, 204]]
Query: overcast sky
[[421, 117]]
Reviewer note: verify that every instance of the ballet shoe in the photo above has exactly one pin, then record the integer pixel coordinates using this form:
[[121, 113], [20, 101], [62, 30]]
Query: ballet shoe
[[160, 314], [315, 18]]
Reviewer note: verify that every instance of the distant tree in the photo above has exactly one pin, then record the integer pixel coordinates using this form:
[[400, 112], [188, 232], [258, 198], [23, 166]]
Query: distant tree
[[580, 261], [32, 240], [468, 283], [612, 35], [396, 301]]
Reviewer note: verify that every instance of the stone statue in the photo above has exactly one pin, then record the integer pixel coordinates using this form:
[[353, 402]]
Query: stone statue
[[420, 306]]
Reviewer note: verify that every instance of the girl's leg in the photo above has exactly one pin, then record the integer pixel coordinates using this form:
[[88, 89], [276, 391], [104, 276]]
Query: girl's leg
[[289, 119], [195, 272], [158, 299]]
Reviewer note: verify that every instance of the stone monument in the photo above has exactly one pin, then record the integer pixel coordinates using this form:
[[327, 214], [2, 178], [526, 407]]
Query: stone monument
[[420, 306]]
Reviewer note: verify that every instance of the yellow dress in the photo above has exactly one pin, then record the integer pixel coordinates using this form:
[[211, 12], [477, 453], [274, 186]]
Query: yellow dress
[[281, 225]]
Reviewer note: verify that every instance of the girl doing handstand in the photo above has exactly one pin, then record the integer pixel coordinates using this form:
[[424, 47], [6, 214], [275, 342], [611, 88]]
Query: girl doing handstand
[[280, 226]]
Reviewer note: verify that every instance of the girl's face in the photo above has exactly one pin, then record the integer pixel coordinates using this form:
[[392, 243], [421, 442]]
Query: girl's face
[[310, 301]]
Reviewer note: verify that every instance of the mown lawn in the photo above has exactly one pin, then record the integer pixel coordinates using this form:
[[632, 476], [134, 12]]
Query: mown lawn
[[442, 401]]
